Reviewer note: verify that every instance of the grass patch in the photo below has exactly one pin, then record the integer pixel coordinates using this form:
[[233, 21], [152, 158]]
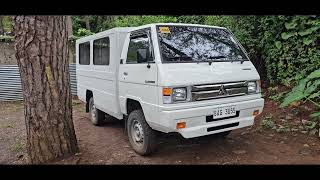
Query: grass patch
[[7, 126], [12, 106], [18, 146]]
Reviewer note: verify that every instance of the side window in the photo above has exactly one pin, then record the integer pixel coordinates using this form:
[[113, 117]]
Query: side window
[[101, 51], [138, 46], [84, 53]]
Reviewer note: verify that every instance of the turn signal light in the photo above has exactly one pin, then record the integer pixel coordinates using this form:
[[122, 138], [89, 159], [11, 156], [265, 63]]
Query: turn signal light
[[181, 125], [166, 91]]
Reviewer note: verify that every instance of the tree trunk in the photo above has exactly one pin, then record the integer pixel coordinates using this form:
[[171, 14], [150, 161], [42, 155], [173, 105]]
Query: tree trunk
[[87, 21], [1, 26], [42, 55], [69, 26]]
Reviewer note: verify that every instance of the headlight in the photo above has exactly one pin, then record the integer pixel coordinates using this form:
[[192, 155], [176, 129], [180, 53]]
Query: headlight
[[253, 87], [178, 94]]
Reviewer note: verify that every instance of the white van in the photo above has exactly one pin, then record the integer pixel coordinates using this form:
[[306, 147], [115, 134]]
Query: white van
[[191, 79]]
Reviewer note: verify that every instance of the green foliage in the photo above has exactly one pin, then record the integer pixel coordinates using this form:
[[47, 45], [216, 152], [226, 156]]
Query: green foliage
[[83, 32], [296, 48], [311, 125], [267, 123], [6, 38], [307, 90], [277, 97], [287, 47], [7, 24], [314, 115]]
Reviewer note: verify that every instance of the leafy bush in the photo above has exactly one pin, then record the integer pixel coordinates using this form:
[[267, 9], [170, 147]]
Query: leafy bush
[[292, 51], [7, 25], [307, 90], [6, 38], [284, 49], [267, 123], [83, 32]]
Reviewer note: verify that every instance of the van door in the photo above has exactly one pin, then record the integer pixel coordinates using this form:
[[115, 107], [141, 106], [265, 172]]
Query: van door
[[138, 71]]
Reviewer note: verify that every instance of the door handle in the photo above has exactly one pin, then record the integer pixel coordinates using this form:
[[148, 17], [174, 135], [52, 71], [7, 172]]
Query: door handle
[[125, 73]]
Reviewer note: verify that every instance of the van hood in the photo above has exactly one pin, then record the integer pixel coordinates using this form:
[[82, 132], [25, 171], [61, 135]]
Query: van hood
[[182, 74]]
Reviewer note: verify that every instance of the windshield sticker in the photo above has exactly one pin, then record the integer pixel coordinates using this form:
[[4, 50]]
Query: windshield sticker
[[164, 30]]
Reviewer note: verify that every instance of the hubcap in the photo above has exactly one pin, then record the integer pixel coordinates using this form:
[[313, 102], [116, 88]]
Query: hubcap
[[137, 132], [93, 112]]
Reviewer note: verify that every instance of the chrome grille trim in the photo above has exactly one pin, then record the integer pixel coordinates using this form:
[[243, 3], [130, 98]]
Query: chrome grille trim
[[212, 91]]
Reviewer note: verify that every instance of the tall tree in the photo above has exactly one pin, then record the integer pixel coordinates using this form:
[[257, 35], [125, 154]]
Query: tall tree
[[42, 55], [69, 26]]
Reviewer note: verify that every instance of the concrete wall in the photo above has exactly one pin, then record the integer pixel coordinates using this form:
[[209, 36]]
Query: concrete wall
[[7, 53]]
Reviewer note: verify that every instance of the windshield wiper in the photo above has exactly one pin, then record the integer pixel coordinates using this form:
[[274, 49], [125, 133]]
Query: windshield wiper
[[222, 59], [217, 57], [214, 59]]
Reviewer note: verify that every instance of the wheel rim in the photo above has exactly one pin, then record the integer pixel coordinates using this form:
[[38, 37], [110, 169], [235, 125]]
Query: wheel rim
[[137, 133], [93, 112]]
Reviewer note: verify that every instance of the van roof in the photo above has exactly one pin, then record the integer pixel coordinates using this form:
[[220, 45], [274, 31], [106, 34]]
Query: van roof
[[128, 29], [179, 24], [106, 32]]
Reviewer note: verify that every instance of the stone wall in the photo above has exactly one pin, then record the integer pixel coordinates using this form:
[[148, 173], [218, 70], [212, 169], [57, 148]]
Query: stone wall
[[7, 53]]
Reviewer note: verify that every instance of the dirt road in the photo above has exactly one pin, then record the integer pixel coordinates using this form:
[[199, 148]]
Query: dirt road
[[109, 144]]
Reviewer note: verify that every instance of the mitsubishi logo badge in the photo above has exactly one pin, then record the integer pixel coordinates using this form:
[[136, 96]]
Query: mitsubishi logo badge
[[222, 90]]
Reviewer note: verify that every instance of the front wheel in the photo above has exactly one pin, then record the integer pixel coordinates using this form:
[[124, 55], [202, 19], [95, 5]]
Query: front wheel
[[142, 138]]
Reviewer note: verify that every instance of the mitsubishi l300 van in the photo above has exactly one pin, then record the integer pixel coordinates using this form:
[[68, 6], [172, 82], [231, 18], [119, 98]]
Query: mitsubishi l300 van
[[191, 79]]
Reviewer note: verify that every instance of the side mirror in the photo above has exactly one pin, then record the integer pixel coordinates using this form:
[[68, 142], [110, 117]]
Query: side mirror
[[142, 55]]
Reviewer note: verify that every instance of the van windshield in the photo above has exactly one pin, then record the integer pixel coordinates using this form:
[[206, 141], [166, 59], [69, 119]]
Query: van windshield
[[196, 44]]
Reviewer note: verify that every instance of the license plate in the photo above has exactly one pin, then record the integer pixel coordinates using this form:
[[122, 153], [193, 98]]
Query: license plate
[[224, 112]]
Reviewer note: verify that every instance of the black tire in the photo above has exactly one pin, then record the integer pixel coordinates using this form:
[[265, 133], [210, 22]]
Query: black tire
[[149, 142], [98, 116], [222, 134]]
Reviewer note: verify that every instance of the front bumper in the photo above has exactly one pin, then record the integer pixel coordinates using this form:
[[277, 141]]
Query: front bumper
[[195, 118]]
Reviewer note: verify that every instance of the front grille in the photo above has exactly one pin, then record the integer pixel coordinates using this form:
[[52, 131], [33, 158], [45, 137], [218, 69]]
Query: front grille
[[213, 91]]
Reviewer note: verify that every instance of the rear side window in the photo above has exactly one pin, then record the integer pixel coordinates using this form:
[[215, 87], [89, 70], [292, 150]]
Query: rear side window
[[101, 51], [84, 53]]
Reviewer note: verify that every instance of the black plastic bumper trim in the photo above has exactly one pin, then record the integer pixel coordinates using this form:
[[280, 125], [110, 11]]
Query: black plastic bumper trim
[[223, 126]]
